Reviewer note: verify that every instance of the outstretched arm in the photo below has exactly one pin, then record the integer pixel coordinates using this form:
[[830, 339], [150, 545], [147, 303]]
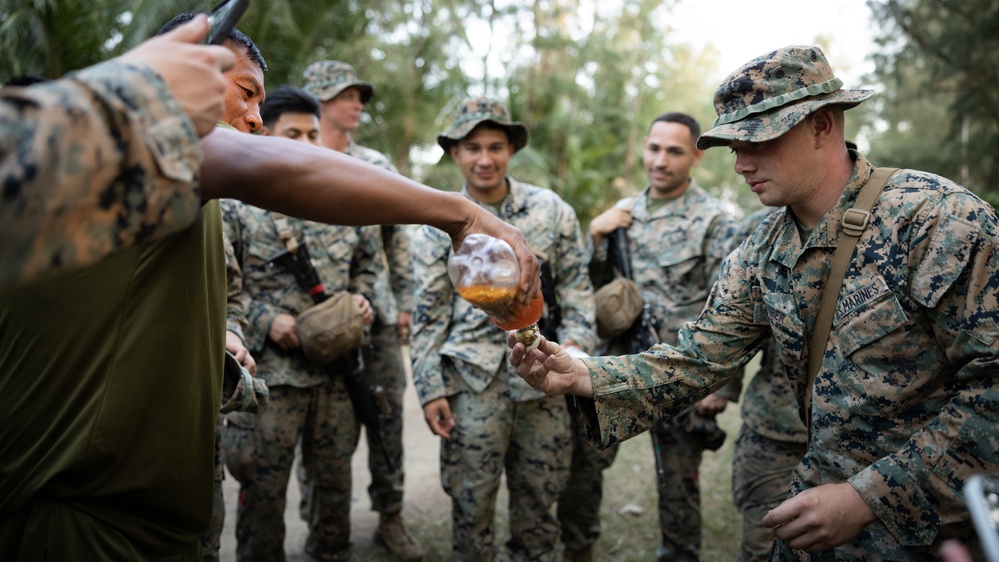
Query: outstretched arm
[[326, 186]]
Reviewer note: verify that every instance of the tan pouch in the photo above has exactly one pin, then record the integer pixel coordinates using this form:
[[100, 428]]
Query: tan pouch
[[331, 328], [619, 303]]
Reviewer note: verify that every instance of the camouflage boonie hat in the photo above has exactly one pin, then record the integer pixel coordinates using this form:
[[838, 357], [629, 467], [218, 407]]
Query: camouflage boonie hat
[[327, 78], [473, 111], [772, 93]]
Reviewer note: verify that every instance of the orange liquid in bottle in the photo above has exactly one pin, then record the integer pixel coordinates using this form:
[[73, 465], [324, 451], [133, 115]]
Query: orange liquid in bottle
[[499, 304]]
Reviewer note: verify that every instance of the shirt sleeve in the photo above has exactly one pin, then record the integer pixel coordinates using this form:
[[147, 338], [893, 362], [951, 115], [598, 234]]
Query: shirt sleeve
[[954, 260], [91, 164], [634, 392], [433, 301]]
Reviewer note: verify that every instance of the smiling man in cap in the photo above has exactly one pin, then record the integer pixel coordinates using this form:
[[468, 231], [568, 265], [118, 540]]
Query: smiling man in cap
[[905, 402], [490, 421]]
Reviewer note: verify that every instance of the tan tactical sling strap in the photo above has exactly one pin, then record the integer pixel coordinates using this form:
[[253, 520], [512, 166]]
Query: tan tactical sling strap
[[854, 223]]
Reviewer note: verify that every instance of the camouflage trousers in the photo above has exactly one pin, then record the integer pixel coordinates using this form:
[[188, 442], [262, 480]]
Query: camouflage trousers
[[579, 504], [529, 441], [761, 475], [383, 365], [678, 449], [211, 538], [383, 362], [259, 451]]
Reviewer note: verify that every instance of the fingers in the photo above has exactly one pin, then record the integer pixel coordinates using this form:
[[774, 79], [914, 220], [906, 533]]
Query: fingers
[[193, 31], [250, 364], [192, 72]]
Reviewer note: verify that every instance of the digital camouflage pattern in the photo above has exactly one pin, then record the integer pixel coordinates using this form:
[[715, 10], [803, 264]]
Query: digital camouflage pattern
[[578, 509], [473, 111], [459, 354], [906, 402], [772, 93], [761, 475], [305, 401], [92, 164], [383, 360], [676, 252], [769, 406], [326, 79], [772, 439]]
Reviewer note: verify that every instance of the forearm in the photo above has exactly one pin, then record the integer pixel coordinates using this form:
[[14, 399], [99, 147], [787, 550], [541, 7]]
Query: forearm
[[327, 186]]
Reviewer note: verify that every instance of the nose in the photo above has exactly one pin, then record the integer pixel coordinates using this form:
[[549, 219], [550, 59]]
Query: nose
[[252, 118], [743, 162]]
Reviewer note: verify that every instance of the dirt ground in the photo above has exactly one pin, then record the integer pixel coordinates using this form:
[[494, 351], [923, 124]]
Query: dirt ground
[[423, 493], [629, 512]]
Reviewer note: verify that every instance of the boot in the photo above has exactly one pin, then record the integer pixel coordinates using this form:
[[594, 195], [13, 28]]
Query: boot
[[393, 535], [584, 555]]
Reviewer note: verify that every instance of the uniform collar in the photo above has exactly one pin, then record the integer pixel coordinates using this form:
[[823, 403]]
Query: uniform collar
[[681, 206], [511, 205], [826, 233]]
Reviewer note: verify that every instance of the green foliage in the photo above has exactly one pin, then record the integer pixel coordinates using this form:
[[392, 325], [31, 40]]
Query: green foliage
[[939, 61]]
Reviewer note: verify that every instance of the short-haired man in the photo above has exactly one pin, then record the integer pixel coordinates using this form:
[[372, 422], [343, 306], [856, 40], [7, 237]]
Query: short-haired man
[[678, 235], [491, 422], [905, 404], [309, 404], [343, 96]]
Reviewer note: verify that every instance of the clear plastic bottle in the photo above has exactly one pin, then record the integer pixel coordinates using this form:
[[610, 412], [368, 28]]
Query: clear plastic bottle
[[485, 272]]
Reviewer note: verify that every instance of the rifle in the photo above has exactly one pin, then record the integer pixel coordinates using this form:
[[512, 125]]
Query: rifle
[[643, 332], [550, 323], [370, 401]]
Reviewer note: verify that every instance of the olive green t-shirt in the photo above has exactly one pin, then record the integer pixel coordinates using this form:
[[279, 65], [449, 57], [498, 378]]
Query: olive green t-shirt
[[110, 381]]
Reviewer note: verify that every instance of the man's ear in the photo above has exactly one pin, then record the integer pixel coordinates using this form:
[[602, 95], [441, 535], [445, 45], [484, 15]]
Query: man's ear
[[823, 126], [265, 131]]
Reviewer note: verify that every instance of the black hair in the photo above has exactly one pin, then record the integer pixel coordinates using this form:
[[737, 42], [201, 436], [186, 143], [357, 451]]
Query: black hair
[[287, 99], [681, 118], [236, 36]]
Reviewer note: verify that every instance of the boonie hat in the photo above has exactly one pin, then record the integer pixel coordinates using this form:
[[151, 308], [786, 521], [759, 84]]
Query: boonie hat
[[772, 93], [473, 111], [327, 78]]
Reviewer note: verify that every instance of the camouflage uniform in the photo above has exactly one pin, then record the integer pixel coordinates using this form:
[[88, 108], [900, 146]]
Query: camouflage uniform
[[383, 358], [675, 255], [502, 425], [69, 203], [771, 441], [905, 404], [306, 403], [236, 303]]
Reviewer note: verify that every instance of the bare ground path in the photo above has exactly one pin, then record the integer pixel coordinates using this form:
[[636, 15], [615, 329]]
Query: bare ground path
[[629, 513]]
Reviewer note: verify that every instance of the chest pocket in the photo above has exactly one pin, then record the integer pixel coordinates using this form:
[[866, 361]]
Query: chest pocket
[[684, 274], [892, 357], [264, 280], [337, 242], [785, 324]]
